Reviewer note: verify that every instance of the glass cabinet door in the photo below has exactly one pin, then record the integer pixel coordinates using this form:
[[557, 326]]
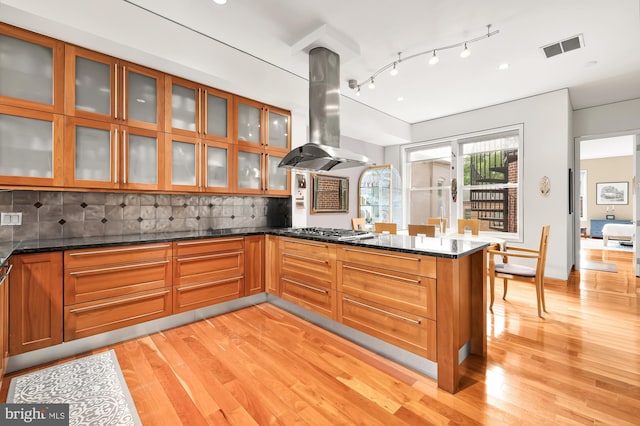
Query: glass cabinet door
[[249, 120], [31, 70], [249, 171], [30, 147], [217, 167], [93, 86], [142, 159], [183, 108], [182, 157], [142, 98], [278, 179], [278, 130], [91, 158], [217, 115]]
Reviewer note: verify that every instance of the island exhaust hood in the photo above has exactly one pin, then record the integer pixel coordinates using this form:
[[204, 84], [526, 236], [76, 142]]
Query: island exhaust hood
[[323, 152]]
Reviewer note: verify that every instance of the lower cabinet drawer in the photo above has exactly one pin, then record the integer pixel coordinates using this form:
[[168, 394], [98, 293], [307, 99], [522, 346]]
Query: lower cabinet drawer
[[405, 330], [208, 267], [99, 282], [193, 296], [87, 319], [310, 296]]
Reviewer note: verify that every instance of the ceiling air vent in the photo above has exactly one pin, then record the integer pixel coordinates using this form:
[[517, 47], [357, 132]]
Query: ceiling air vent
[[563, 46]]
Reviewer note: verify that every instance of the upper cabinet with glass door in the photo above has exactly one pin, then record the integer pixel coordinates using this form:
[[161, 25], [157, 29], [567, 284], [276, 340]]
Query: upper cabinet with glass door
[[197, 111], [263, 125], [31, 70], [100, 87]]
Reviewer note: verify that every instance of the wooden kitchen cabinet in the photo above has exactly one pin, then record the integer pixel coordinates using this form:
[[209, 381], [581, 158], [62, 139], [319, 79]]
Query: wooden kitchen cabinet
[[272, 264], [254, 272], [389, 295], [263, 138], [35, 302], [4, 318], [32, 68], [114, 287], [31, 147], [206, 272], [308, 275], [100, 87]]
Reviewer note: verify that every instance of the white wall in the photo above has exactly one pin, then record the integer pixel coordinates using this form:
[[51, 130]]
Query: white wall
[[546, 120], [618, 117]]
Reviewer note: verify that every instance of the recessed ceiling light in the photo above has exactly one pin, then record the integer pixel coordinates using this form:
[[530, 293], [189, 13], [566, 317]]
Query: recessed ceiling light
[[591, 63], [400, 98], [220, 1], [503, 66]]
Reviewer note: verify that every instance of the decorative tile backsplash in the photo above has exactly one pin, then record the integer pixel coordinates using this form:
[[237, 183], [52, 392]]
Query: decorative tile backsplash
[[57, 214]]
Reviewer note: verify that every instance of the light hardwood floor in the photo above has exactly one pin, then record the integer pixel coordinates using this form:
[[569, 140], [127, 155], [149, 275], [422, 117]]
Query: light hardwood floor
[[261, 365]]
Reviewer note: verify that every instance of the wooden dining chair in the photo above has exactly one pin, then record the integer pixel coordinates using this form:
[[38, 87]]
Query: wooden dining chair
[[427, 230], [436, 221], [389, 227], [358, 224], [474, 224], [510, 271]]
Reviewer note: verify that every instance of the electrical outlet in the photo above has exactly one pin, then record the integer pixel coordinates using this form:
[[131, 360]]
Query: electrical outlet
[[12, 219]]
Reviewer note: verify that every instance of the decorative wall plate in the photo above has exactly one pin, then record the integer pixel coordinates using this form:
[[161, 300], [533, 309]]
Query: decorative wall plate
[[545, 186]]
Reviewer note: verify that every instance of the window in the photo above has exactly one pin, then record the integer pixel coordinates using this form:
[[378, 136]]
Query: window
[[487, 168]]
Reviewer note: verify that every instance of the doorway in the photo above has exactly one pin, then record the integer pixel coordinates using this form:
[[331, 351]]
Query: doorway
[[606, 170]]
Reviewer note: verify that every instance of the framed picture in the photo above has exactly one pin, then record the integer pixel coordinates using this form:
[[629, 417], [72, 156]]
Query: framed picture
[[612, 193], [329, 194]]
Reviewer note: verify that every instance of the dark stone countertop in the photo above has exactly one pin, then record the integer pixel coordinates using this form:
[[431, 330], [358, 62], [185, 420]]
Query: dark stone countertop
[[438, 247]]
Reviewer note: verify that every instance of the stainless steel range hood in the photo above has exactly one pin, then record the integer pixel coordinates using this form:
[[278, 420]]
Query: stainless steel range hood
[[323, 152]]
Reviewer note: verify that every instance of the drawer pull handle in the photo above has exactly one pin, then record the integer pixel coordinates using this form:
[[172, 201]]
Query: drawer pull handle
[[395, 277], [116, 302], [310, 259], [87, 253], [415, 259], [115, 268], [346, 299], [306, 243], [307, 286], [6, 274], [191, 287], [206, 256], [193, 243]]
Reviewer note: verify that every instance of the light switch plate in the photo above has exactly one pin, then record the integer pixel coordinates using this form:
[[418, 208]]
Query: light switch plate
[[11, 218]]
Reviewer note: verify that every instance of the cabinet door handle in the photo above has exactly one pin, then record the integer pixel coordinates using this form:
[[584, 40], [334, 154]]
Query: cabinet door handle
[[395, 277], [205, 102], [125, 95], [310, 259], [318, 290], [117, 268], [117, 302], [415, 259], [199, 129], [304, 243], [191, 287], [115, 91], [411, 320], [193, 243], [125, 154], [207, 256], [87, 253], [116, 160], [205, 164], [6, 274]]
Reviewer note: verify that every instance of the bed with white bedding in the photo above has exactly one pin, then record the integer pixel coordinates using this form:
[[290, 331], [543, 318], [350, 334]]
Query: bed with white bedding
[[618, 232]]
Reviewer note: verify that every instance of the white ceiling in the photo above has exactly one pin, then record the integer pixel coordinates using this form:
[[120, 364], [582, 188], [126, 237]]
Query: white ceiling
[[606, 69]]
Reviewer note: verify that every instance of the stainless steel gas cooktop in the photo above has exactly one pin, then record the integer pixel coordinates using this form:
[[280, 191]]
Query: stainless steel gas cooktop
[[335, 234]]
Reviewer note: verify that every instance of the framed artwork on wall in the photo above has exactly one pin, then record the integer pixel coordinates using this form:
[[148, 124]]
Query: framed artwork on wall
[[612, 193]]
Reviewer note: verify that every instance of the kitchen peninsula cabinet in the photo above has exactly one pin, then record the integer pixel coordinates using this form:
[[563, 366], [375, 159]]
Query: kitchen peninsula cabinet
[[32, 68], [206, 272], [308, 275], [100, 87], [114, 287], [35, 301]]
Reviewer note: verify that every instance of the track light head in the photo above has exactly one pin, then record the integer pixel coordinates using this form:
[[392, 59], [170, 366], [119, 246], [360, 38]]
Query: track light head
[[434, 59], [394, 70], [466, 52], [372, 85]]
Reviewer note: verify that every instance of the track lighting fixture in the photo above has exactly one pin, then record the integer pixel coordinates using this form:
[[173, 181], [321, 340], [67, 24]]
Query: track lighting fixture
[[435, 58], [466, 52]]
